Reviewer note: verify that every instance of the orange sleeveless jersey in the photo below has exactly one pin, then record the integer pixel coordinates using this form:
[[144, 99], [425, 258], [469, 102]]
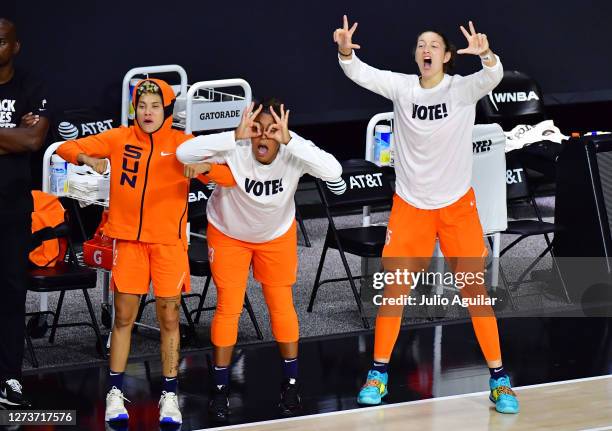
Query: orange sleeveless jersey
[[148, 192]]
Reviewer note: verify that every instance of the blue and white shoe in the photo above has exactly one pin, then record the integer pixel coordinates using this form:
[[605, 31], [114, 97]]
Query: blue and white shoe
[[374, 389], [115, 409], [169, 412], [503, 396]]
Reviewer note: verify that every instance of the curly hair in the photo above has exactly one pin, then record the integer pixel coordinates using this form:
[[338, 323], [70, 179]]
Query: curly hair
[[268, 103]]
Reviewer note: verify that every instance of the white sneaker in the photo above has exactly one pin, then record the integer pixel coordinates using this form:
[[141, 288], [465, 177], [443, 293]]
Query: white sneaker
[[169, 412], [115, 410]]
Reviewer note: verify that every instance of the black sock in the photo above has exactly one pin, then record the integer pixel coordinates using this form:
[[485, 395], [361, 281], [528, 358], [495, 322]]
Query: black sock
[[290, 369], [496, 373], [169, 384], [381, 367], [115, 380], [220, 375]]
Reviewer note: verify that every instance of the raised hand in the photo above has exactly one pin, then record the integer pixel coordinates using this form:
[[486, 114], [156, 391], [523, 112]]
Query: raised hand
[[248, 128], [478, 44], [344, 38], [195, 169], [279, 130]]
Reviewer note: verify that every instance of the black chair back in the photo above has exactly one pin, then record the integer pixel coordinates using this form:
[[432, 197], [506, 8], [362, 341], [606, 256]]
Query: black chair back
[[62, 230], [199, 193], [516, 100], [362, 184], [517, 185], [78, 123]]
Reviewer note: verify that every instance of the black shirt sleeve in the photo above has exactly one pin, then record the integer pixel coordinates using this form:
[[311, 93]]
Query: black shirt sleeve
[[36, 91]]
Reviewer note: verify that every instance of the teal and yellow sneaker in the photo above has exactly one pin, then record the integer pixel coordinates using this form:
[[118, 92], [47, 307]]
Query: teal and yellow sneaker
[[503, 396], [374, 389]]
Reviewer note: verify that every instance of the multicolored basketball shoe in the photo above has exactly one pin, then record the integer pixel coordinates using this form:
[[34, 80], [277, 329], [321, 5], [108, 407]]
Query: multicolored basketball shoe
[[503, 396], [374, 389]]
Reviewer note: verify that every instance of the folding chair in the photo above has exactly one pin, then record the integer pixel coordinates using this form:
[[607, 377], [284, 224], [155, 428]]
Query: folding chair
[[518, 99], [300, 221], [520, 191], [64, 276], [365, 185]]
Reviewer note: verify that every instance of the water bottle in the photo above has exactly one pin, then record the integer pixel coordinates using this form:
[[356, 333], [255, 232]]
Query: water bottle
[[382, 145], [392, 151], [59, 175]]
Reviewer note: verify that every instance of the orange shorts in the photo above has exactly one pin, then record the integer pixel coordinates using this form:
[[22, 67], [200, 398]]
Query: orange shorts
[[412, 231], [274, 262], [136, 264]]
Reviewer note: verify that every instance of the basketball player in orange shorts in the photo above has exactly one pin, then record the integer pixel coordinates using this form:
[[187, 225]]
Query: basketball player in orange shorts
[[147, 219], [434, 116], [253, 225]]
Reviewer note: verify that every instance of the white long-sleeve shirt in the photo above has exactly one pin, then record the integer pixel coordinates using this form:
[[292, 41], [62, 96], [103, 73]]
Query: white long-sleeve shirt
[[260, 207], [432, 129]]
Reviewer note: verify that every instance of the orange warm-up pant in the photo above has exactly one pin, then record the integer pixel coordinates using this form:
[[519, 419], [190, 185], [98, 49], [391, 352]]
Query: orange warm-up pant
[[411, 238], [274, 266]]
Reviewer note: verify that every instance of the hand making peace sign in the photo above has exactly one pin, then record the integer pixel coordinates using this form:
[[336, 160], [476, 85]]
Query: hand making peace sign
[[279, 130], [248, 128], [478, 44], [344, 38]]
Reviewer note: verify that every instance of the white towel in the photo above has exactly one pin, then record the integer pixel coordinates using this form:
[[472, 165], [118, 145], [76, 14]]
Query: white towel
[[525, 134]]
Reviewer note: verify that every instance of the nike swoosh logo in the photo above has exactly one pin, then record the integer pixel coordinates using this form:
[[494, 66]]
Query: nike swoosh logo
[[114, 374], [164, 154], [169, 380]]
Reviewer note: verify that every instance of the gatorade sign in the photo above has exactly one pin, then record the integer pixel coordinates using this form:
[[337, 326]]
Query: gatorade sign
[[218, 115]]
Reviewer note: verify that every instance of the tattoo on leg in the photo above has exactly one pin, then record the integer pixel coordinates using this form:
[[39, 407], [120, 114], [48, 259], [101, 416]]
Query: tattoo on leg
[[178, 353], [173, 355]]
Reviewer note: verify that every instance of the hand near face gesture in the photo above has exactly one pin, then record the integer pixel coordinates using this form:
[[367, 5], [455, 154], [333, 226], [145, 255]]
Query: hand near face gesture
[[344, 38], [279, 130], [248, 128], [478, 44]]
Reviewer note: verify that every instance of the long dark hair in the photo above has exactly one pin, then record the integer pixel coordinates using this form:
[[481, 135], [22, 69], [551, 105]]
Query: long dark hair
[[448, 47]]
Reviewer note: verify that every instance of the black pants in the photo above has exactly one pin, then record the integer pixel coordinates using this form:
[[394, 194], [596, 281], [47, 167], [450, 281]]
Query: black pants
[[15, 234]]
